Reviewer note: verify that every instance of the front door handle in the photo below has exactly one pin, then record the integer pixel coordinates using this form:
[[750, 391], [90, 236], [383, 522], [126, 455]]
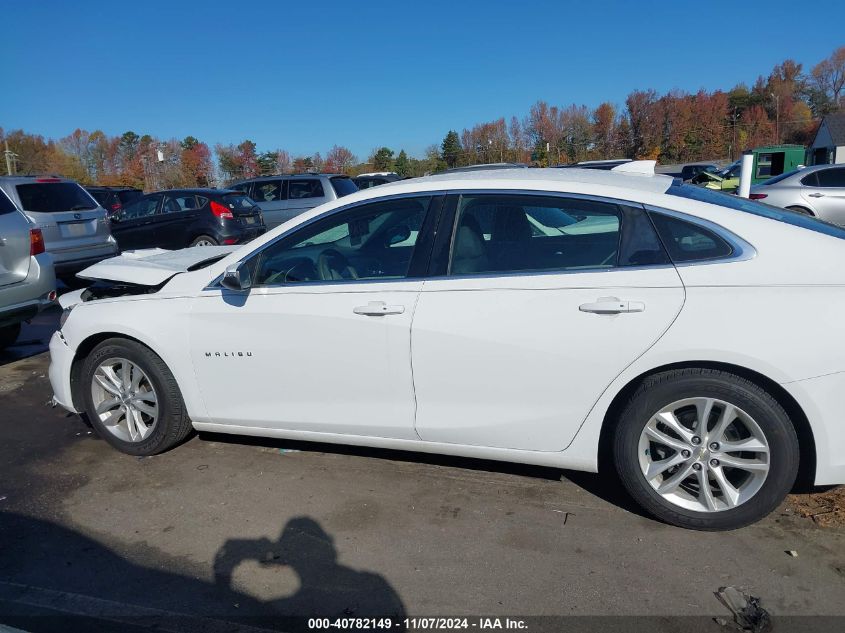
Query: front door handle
[[816, 195], [378, 308], [612, 305]]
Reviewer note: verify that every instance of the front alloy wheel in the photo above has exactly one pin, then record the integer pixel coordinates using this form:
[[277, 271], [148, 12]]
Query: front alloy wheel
[[131, 398], [124, 399]]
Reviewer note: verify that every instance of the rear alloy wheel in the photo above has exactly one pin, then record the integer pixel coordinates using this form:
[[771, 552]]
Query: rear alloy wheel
[[803, 210], [132, 399], [706, 449], [204, 240]]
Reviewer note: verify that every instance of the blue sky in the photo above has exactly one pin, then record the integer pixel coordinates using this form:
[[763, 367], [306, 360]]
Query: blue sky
[[302, 76]]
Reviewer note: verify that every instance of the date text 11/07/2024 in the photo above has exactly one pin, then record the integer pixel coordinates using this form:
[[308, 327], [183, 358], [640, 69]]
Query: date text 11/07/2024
[[418, 624]]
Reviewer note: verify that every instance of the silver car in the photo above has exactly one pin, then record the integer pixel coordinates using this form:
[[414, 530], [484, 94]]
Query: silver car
[[818, 190], [75, 227], [27, 283], [284, 197]]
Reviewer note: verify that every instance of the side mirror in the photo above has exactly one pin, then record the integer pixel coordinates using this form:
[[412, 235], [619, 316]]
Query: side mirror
[[236, 277]]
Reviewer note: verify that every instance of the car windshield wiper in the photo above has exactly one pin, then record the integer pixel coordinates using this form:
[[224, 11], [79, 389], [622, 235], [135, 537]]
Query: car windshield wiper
[[80, 207]]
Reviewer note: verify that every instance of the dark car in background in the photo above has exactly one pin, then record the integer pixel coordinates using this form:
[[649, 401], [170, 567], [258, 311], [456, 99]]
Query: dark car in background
[[688, 172], [179, 218], [365, 181], [113, 199]]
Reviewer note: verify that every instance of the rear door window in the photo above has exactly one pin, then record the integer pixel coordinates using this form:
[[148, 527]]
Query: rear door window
[[267, 191], [49, 197], [180, 202], [306, 188], [140, 208], [504, 233]]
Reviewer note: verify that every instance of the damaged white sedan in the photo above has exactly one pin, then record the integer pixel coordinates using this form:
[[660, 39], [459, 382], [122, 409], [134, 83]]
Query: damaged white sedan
[[572, 318]]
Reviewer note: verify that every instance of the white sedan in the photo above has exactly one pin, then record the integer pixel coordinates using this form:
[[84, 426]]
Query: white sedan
[[578, 319]]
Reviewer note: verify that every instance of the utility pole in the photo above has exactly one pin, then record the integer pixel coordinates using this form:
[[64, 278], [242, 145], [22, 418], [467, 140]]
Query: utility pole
[[11, 158], [777, 118]]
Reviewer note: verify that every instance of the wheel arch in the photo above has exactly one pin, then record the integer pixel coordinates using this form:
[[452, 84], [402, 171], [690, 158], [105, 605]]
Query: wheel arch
[[803, 429], [82, 352]]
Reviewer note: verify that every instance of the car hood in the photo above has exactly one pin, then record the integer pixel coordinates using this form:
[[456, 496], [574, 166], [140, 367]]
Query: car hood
[[153, 266]]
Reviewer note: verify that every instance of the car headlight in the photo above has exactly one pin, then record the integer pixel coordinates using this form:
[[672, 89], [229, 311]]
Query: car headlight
[[65, 314]]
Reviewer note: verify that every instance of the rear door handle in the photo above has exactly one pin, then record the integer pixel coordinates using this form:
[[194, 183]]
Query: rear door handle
[[378, 308], [612, 305], [815, 195]]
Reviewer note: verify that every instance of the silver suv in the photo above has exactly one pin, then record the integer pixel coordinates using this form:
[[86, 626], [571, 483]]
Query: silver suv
[[27, 283], [75, 227], [284, 197]]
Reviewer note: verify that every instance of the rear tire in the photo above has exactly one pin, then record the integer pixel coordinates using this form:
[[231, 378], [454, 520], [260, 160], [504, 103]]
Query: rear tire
[[204, 240], [124, 404], [739, 412], [9, 334]]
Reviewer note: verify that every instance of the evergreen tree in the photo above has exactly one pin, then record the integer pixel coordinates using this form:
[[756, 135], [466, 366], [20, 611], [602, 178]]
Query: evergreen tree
[[402, 165], [451, 148]]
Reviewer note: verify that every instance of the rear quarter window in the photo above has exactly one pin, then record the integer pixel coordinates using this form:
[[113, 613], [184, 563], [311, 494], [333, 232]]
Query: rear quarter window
[[729, 201], [688, 242]]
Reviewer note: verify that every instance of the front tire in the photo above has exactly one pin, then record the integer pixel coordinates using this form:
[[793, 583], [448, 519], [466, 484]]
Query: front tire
[[727, 472], [132, 399]]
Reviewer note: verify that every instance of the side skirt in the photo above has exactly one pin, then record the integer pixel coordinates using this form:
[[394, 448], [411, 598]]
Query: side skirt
[[553, 459]]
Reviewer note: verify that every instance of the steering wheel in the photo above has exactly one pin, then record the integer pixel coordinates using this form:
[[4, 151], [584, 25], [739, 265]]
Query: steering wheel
[[332, 264]]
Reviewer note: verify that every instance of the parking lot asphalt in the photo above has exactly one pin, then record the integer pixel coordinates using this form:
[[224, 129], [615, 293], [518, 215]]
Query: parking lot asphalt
[[227, 529]]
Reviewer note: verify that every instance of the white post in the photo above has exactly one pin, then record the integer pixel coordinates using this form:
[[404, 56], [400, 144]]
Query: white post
[[745, 169]]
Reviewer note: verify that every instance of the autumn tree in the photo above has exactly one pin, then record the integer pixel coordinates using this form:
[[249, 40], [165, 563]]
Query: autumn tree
[[646, 123], [828, 77], [196, 163], [283, 162], [339, 159], [604, 131]]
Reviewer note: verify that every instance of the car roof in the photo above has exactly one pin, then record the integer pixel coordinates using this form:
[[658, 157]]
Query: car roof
[[277, 176], [41, 178], [206, 190], [557, 179]]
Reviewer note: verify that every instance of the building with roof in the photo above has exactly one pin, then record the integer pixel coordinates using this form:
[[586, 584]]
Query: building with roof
[[829, 144]]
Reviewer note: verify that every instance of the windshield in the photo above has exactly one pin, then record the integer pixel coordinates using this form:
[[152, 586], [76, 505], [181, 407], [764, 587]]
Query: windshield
[[47, 197], [736, 203], [238, 202]]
